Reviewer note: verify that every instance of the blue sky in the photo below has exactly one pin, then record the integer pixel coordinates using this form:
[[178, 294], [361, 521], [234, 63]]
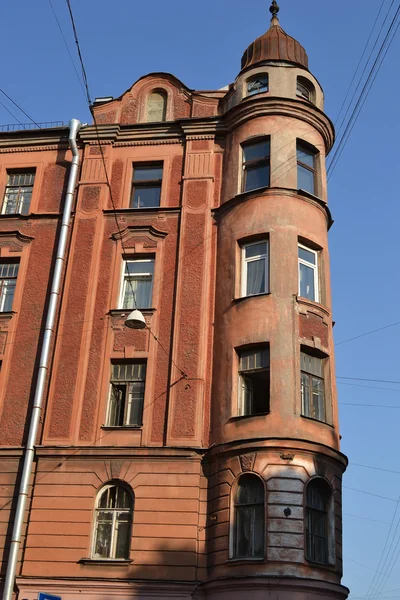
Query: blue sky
[[202, 43]]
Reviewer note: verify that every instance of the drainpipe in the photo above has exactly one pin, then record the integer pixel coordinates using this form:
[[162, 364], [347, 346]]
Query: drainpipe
[[74, 126]]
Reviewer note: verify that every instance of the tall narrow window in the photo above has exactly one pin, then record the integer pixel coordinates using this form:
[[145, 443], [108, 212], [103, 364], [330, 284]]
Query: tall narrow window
[[146, 185], [254, 381], [305, 89], [113, 523], [137, 285], [249, 518], [257, 84], [157, 106], [8, 282], [318, 495], [308, 273], [17, 197], [312, 387], [254, 268], [306, 172], [256, 165], [126, 394]]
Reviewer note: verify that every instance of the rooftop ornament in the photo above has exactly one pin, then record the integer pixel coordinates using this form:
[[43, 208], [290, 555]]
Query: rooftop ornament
[[274, 9]]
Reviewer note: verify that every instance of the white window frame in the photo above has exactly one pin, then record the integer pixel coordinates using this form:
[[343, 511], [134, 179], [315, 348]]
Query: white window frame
[[254, 78], [10, 187], [7, 282], [247, 385], [244, 263], [315, 268], [114, 529], [128, 398], [124, 280]]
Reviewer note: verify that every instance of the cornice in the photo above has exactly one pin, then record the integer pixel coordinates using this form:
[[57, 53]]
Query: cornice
[[132, 453], [142, 212], [139, 229], [19, 146], [263, 107]]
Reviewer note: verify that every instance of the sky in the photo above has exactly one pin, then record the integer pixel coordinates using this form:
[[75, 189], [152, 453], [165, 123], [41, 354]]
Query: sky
[[202, 45]]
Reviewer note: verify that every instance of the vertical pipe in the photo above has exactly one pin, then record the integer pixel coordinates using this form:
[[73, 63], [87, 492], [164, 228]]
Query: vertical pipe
[[74, 126]]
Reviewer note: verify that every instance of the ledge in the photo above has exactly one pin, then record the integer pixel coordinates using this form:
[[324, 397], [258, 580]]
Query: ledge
[[240, 417], [122, 427], [239, 299], [313, 305], [318, 421], [110, 562]]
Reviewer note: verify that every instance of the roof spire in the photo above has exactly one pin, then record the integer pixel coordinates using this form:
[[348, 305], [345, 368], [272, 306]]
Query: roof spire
[[274, 9]]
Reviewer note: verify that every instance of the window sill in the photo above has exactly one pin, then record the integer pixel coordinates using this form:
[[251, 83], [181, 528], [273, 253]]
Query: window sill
[[241, 298], [111, 562], [313, 304], [239, 417], [121, 427], [118, 312], [317, 421], [302, 192], [245, 561]]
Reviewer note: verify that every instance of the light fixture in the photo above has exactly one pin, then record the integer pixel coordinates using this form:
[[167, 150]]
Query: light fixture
[[135, 320]]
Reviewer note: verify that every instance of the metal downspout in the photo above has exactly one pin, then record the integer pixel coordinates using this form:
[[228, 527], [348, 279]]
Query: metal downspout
[[74, 126]]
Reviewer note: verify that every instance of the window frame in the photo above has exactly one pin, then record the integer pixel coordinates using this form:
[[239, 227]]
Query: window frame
[[128, 402], [321, 394], [18, 171], [114, 521], [6, 285], [258, 162], [303, 82], [316, 269], [244, 267], [312, 151], [145, 183], [242, 385], [255, 78], [235, 505], [164, 95], [329, 523], [148, 258]]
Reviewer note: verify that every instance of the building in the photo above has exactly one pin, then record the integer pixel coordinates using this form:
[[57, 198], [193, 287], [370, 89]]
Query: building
[[198, 457]]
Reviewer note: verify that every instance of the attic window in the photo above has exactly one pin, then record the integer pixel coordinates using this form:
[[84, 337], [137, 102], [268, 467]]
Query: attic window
[[257, 84], [305, 89], [157, 106]]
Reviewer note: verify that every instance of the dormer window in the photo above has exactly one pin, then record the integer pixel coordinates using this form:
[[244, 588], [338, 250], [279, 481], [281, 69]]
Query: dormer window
[[157, 106], [257, 84], [305, 89]]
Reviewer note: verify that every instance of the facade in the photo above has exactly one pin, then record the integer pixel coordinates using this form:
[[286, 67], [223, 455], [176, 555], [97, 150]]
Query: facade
[[198, 457]]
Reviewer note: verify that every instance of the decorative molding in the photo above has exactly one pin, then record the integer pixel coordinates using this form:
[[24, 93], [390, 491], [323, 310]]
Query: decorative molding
[[287, 456], [7, 238], [23, 148], [247, 462], [154, 142], [148, 235]]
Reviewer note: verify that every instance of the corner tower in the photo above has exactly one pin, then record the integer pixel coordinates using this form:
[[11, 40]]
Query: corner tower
[[275, 465]]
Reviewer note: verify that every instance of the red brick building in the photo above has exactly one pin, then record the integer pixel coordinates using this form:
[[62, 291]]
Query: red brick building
[[199, 456]]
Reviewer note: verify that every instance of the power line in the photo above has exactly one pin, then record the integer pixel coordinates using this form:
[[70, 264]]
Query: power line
[[12, 114], [374, 468], [85, 79], [19, 108], [67, 48], [369, 387], [369, 405], [371, 494], [363, 95], [367, 333], [373, 380]]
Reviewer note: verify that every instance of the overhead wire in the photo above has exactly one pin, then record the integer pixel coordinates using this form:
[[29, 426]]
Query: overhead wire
[[364, 93], [12, 114], [356, 337], [20, 108]]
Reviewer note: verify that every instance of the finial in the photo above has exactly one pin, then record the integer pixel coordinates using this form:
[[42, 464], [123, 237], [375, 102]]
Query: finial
[[274, 9]]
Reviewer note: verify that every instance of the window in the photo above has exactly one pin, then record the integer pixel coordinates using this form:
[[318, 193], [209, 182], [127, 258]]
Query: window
[[318, 496], [257, 84], [146, 186], [312, 387], [249, 517], [137, 285], [157, 106], [255, 268], [305, 89], [113, 521], [308, 273], [306, 172], [254, 381], [17, 197], [8, 281], [126, 394], [256, 165]]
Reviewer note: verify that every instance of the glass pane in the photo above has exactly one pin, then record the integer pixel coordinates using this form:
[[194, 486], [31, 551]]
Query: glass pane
[[156, 106], [117, 405], [318, 399], [8, 270], [312, 364], [10, 201], [247, 396], [257, 85], [305, 156], [307, 282], [305, 394], [257, 177], [250, 490], [139, 288], [251, 359], [7, 294], [123, 537], [146, 197], [147, 173], [256, 151], [136, 398], [142, 267], [303, 91], [256, 283], [307, 255], [123, 497], [243, 532], [102, 546], [305, 179], [256, 250]]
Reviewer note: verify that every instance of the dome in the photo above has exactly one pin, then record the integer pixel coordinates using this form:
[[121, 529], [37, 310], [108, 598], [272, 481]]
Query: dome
[[275, 44]]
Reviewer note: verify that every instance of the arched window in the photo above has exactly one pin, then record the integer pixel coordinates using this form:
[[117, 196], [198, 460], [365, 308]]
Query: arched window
[[318, 497], [249, 510], [305, 89], [257, 84], [113, 522], [157, 106]]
